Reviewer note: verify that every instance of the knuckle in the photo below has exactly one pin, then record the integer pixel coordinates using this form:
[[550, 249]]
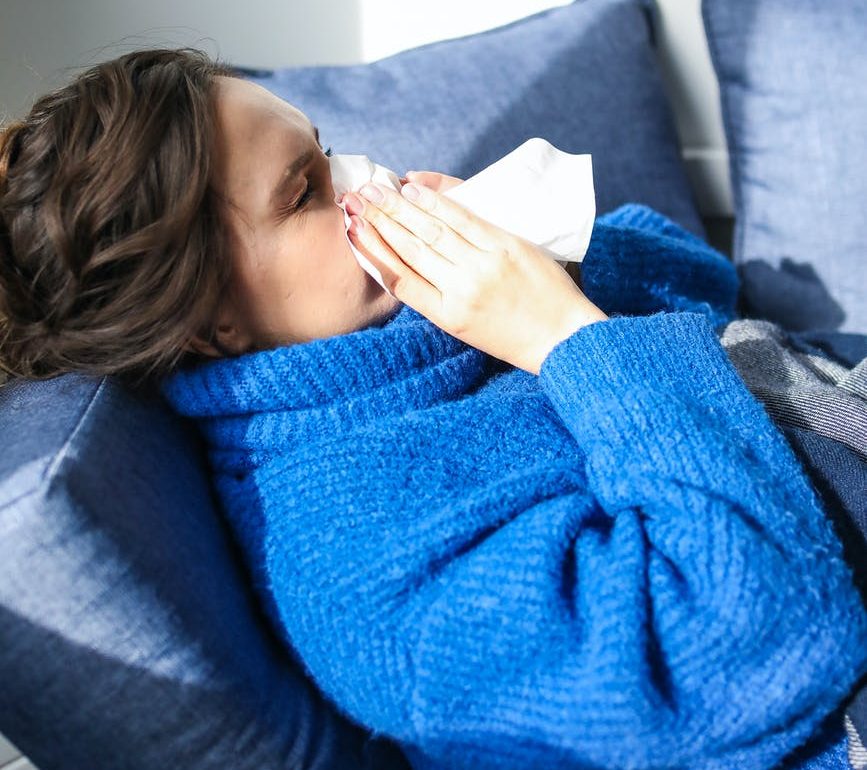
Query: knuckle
[[431, 202], [371, 213], [412, 248], [386, 206], [435, 236]]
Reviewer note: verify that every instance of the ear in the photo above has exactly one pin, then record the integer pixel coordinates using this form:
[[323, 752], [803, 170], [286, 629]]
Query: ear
[[230, 339], [215, 348]]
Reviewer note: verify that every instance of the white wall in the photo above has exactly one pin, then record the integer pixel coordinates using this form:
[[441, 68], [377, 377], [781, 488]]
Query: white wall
[[42, 42], [694, 92]]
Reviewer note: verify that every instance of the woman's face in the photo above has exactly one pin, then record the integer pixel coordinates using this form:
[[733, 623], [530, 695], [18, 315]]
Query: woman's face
[[295, 278]]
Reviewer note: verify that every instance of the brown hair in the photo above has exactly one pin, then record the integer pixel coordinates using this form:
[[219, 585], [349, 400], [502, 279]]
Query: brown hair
[[112, 253]]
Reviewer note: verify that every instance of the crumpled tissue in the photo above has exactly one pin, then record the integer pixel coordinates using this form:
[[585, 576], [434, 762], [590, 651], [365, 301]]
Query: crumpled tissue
[[537, 192]]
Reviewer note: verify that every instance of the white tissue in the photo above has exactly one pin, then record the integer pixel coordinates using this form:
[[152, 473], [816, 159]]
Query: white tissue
[[349, 173], [536, 192]]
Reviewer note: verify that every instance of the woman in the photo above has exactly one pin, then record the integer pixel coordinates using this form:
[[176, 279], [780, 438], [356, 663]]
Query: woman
[[505, 520]]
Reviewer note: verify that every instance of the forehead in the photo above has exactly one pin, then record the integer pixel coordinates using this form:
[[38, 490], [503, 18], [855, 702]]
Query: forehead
[[257, 134], [241, 105]]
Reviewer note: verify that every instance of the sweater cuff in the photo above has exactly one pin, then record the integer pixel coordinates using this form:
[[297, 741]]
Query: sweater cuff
[[651, 396]]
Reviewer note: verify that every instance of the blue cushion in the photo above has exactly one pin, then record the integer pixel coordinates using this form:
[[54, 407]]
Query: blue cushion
[[583, 76], [792, 80], [129, 637]]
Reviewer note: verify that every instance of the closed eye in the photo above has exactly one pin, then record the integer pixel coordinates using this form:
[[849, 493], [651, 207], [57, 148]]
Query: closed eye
[[295, 206]]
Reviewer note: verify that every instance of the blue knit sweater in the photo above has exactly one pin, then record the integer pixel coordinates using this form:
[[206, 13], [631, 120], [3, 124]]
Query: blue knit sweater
[[618, 563]]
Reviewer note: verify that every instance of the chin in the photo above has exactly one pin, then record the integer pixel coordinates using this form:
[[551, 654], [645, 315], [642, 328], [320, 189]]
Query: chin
[[376, 291], [382, 307]]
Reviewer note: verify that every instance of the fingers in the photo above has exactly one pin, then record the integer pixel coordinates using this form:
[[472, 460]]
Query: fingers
[[407, 229], [401, 276], [470, 227], [425, 215], [393, 237]]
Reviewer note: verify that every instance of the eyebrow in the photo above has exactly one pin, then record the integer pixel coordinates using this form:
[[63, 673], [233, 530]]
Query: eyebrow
[[282, 187]]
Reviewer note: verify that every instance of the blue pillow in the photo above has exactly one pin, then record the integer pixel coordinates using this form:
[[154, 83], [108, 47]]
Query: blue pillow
[[583, 76], [129, 635], [792, 79]]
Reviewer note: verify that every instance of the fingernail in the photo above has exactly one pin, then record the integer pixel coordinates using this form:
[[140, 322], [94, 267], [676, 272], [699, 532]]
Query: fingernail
[[354, 204], [339, 198], [410, 192], [372, 193], [355, 225]]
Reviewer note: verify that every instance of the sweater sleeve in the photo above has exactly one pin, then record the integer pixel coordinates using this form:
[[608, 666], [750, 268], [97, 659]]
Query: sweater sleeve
[[640, 262], [708, 529], [673, 599]]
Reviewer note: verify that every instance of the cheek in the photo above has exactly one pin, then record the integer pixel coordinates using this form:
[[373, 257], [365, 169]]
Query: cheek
[[310, 260], [308, 257], [265, 275]]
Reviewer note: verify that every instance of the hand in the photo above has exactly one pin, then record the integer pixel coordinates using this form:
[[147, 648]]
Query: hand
[[485, 286], [441, 182]]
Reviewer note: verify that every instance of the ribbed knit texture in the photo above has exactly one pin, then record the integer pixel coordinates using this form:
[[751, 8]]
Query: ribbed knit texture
[[618, 563]]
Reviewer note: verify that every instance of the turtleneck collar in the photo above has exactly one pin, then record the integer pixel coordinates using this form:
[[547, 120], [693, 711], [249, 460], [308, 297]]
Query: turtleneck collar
[[406, 360]]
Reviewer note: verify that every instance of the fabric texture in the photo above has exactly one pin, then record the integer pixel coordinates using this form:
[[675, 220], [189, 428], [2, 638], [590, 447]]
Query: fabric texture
[[474, 560], [129, 637], [856, 720], [583, 76], [800, 388], [840, 477], [827, 749], [792, 76], [820, 403]]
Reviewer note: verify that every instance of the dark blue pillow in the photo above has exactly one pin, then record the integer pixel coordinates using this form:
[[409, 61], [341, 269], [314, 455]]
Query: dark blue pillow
[[583, 76], [129, 636], [793, 82]]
